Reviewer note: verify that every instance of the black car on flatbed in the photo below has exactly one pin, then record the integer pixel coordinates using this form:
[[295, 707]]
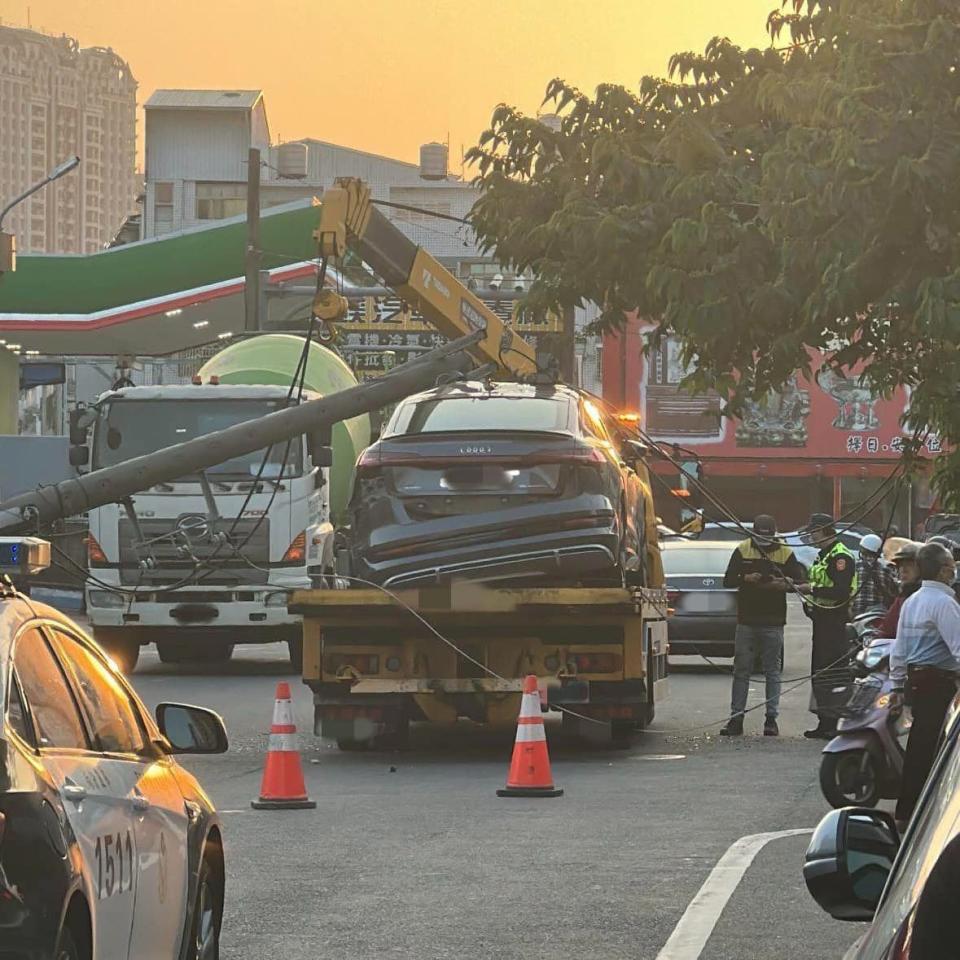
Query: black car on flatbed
[[498, 482]]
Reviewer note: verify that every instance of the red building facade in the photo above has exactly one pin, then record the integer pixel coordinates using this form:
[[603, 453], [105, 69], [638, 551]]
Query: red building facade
[[824, 443]]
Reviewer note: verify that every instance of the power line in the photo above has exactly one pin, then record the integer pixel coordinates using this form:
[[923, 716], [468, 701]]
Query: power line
[[421, 210]]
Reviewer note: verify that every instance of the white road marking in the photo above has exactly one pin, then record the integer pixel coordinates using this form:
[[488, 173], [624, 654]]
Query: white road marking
[[691, 934], [660, 756]]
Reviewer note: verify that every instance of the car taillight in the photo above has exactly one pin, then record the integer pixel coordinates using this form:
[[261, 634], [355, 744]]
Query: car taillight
[[602, 519], [297, 551], [364, 663], [95, 555], [369, 458], [586, 455], [597, 662]]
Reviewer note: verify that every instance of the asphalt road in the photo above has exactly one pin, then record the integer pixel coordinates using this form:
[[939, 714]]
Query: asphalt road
[[411, 855]]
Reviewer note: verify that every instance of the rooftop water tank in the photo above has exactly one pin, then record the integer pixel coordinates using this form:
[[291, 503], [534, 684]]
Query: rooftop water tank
[[433, 161], [292, 161]]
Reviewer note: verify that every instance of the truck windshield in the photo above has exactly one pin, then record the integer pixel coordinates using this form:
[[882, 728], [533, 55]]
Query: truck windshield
[[132, 428]]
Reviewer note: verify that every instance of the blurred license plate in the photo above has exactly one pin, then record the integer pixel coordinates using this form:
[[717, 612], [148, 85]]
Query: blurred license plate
[[705, 603]]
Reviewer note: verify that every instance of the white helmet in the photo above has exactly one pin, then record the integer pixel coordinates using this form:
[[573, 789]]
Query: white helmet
[[871, 543]]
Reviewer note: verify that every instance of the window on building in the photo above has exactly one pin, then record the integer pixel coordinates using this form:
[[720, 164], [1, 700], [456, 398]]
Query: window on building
[[163, 208], [215, 201], [423, 214]]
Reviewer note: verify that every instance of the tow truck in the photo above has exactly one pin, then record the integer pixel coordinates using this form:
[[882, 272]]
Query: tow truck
[[375, 659]]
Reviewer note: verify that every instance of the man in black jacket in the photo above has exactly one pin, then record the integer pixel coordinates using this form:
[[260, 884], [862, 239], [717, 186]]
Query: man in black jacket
[[763, 570]]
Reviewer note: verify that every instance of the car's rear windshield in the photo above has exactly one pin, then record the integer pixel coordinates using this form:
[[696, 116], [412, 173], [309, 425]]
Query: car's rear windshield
[[456, 414], [693, 560]]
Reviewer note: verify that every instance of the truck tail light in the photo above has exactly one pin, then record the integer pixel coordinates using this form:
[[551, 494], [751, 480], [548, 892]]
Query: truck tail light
[[297, 551], [597, 662], [95, 555]]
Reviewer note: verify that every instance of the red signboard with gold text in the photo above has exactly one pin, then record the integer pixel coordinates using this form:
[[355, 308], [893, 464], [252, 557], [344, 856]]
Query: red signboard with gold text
[[819, 415]]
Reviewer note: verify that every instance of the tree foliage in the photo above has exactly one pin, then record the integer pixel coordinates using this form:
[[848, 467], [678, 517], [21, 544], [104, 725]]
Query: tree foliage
[[760, 201]]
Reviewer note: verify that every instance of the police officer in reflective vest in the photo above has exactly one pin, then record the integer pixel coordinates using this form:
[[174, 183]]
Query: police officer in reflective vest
[[833, 582]]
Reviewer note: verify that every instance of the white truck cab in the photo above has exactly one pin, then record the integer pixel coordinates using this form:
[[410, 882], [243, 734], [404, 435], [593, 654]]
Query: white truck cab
[[204, 562]]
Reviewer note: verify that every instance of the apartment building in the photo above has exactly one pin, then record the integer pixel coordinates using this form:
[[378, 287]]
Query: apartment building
[[57, 100]]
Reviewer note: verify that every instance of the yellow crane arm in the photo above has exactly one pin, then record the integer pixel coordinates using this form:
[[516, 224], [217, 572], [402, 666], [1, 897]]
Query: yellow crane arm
[[349, 220]]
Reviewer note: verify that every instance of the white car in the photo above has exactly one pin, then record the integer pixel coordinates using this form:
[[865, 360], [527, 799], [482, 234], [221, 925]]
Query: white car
[[109, 850]]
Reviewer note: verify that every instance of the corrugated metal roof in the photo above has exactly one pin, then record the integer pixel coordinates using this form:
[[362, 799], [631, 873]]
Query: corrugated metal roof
[[204, 99], [360, 153]]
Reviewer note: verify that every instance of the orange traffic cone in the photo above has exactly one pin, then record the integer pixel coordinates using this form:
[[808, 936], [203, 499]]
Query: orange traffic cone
[[283, 787], [530, 768]]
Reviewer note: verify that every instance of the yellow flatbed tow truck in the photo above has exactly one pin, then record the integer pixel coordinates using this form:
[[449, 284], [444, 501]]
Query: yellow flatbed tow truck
[[376, 659]]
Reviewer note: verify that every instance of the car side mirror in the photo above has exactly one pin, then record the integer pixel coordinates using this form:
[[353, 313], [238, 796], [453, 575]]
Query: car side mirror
[[849, 860], [79, 456], [192, 729]]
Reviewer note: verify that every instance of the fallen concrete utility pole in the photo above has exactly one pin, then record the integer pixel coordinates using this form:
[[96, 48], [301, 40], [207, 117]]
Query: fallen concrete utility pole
[[114, 484]]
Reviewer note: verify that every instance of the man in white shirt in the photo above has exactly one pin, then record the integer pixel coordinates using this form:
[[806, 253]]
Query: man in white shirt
[[925, 666]]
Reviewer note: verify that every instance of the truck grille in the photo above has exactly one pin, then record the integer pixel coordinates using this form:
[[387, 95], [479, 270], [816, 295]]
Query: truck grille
[[175, 543]]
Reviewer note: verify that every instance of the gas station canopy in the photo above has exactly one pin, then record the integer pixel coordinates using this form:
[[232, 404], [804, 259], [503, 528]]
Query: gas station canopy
[[152, 297]]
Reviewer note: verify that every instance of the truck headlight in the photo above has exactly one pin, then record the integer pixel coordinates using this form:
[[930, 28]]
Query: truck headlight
[[276, 599], [106, 598]]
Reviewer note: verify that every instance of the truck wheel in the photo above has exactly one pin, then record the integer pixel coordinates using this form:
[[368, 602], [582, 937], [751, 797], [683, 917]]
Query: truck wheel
[[295, 648], [122, 648], [649, 713], [621, 733], [395, 738], [569, 724]]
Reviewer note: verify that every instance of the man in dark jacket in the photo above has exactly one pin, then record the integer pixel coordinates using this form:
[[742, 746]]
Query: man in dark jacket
[[833, 583], [763, 570]]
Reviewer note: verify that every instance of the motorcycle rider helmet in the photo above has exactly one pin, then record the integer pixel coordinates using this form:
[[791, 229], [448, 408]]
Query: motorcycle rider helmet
[[871, 544]]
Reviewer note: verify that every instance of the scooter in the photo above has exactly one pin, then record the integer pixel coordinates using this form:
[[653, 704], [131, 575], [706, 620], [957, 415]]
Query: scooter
[[863, 763]]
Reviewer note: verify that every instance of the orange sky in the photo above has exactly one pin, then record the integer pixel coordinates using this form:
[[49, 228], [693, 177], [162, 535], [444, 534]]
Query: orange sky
[[388, 75]]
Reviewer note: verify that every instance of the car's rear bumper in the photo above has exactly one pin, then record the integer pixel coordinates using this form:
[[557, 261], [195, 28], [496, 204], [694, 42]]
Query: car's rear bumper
[[543, 541], [695, 634]]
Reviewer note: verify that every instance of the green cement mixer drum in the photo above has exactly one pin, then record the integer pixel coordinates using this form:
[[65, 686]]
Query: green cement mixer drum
[[272, 359]]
